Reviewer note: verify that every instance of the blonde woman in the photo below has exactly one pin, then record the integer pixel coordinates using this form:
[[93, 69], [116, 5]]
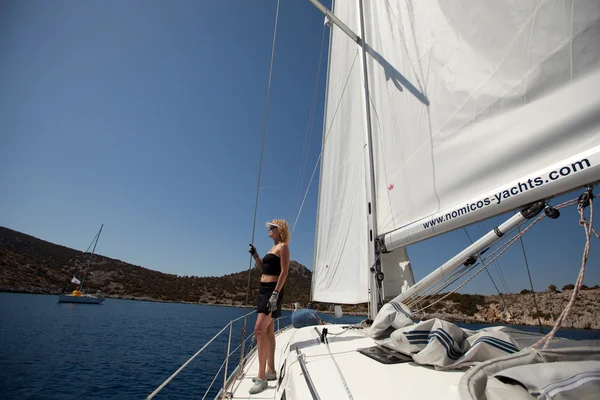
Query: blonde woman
[[274, 267]]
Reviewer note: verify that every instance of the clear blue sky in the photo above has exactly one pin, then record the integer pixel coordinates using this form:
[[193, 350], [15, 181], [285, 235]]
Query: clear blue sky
[[147, 116]]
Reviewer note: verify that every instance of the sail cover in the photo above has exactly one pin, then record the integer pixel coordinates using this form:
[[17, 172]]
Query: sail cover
[[340, 269], [477, 107]]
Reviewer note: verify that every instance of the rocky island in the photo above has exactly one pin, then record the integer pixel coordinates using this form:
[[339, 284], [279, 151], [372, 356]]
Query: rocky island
[[32, 265]]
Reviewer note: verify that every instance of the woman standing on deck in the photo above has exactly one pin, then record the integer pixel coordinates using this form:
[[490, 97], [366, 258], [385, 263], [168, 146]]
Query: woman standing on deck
[[274, 267]]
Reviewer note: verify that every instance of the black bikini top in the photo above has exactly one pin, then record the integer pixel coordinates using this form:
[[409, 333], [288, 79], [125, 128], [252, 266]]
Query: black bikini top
[[271, 264]]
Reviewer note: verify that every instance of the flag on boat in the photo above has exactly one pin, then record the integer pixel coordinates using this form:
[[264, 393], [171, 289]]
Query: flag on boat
[[75, 281]]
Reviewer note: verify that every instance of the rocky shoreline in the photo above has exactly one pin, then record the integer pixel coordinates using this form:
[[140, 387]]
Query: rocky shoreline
[[520, 309]]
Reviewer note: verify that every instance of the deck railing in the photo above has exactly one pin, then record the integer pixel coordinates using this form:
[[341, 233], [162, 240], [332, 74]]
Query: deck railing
[[229, 353]]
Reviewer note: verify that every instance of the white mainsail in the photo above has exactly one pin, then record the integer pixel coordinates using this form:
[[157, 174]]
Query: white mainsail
[[479, 108]]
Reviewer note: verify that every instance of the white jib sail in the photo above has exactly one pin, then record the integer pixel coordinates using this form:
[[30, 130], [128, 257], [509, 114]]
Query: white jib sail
[[341, 270]]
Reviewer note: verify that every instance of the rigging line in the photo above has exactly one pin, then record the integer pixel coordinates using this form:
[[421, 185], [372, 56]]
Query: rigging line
[[501, 275], [340, 101], [437, 285], [505, 247], [442, 283], [588, 228], [440, 286], [325, 140], [530, 282], [169, 379], [501, 249], [486, 270], [433, 286], [309, 127], [454, 276], [490, 275], [339, 371], [262, 149], [305, 194], [497, 266]]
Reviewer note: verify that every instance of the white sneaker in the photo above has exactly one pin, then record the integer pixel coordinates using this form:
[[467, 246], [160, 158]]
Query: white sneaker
[[259, 386]]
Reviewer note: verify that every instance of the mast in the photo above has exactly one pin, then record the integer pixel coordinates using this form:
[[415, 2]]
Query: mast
[[374, 261], [91, 254]]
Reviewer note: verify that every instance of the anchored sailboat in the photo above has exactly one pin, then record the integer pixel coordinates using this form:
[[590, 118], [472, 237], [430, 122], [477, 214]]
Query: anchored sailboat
[[78, 295]]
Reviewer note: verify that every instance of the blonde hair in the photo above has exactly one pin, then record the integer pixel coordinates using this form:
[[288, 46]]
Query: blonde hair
[[284, 233]]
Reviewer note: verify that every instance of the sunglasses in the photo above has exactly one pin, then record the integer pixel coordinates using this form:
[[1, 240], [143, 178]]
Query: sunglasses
[[272, 228]]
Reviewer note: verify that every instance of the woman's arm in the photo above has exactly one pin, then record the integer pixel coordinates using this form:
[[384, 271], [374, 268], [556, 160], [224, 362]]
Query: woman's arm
[[254, 255], [258, 261], [284, 255]]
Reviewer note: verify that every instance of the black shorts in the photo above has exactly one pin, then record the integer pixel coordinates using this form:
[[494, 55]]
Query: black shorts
[[264, 294]]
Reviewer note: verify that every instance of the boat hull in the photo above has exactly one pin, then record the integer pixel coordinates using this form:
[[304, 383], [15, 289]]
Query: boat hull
[[79, 299]]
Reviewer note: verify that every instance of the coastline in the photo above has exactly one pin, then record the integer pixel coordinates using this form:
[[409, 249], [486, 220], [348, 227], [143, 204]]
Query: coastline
[[488, 314]]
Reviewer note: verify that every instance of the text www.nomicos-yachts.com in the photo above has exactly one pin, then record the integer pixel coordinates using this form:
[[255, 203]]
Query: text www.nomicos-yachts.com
[[517, 189]]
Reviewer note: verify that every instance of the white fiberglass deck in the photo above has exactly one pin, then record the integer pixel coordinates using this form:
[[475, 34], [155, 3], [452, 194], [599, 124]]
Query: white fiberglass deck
[[365, 377]]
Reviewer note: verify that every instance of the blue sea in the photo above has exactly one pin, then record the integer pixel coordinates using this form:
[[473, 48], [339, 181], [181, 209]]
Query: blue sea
[[121, 349]]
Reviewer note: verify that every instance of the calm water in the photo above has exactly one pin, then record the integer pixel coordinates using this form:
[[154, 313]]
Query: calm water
[[118, 350]]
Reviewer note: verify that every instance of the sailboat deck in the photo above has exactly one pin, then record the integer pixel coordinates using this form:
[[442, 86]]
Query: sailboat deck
[[365, 377]]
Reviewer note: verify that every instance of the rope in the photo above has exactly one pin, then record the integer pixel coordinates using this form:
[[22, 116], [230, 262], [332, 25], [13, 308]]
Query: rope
[[221, 368], [262, 148], [588, 228], [437, 286], [500, 249], [339, 372], [214, 379], [309, 127], [158, 389], [505, 247], [488, 272], [324, 141], [496, 264], [305, 194], [434, 287], [531, 282], [441, 284]]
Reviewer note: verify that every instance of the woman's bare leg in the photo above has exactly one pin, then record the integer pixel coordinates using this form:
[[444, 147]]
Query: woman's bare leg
[[262, 340], [271, 338]]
